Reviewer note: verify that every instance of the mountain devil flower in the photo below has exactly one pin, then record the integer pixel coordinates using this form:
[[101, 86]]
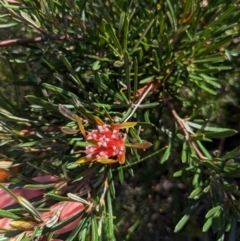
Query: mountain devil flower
[[106, 143]]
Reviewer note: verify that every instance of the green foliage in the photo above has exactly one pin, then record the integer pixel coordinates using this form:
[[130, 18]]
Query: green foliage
[[171, 66]]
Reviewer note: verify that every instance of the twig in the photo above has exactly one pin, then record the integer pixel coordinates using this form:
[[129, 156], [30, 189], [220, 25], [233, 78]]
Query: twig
[[184, 130], [43, 38], [139, 102], [13, 2], [179, 120]]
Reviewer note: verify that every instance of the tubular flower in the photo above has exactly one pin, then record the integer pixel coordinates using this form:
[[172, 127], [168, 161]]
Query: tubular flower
[[105, 142]]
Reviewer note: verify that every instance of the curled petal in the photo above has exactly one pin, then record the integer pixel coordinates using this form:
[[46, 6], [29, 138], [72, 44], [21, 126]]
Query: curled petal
[[123, 125], [105, 160], [98, 121], [122, 159], [80, 125], [82, 160]]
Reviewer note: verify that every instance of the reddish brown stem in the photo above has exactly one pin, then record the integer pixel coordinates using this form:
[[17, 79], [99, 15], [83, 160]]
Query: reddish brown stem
[[184, 130], [43, 38]]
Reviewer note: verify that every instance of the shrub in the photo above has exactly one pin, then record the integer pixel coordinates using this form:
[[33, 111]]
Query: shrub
[[129, 110]]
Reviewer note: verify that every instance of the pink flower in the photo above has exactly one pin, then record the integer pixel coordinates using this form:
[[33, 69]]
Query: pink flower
[[60, 211], [7, 199], [106, 143]]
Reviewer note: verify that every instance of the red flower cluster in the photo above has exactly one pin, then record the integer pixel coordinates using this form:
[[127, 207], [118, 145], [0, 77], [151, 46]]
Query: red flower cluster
[[109, 143], [106, 142]]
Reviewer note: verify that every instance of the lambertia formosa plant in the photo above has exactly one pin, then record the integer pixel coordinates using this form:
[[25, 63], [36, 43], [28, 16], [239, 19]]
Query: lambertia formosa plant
[[119, 120]]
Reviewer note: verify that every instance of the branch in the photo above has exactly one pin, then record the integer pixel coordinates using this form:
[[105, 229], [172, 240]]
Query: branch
[[43, 38], [179, 121], [13, 2], [184, 130]]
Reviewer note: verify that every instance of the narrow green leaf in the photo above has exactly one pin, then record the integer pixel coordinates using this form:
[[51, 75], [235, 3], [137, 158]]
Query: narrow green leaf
[[39, 186], [207, 225], [207, 189], [80, 231], [190, 208], [236, 213], [113, 36], [66, 112], [211, 131], [5, 188], [77, 198], [204, 87], [69, 131], [29, 19], [166, 153], [111, 183], [143, 35], [211, 58], [204, 150], [58, 90], [8, 25], [126, 33], [121, 175], [118, 64], [233, 231], [8, 214], [231, 153], [225, 14], [148, 105], [229, 223], [212, 166], [229, 187], [110, 227], [127, 74], [178, 173], [96, 65], [156, 59], [195, 192], [94, 229], [43, 103], [132, 229], [10, 6], [135, 83], [47, 65], [181, 223], [57, 197], [121, 22], [215, 46], [173, 15], [30, 208], [100, 80], [146, 80], [42, 141], [185, 151], [212, 211], [222, 134]]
